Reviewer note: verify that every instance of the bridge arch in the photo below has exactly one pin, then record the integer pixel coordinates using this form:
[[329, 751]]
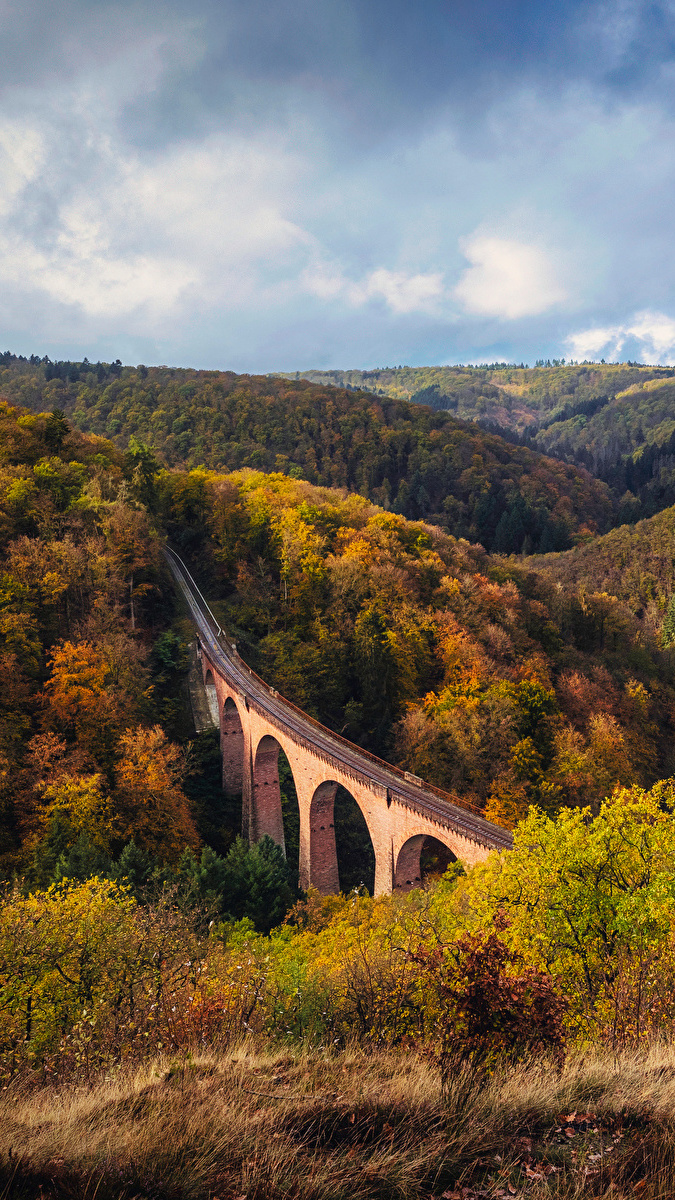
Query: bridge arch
[[267, 815], [409, 872], [232, 747], [329, 812], [323, 871]]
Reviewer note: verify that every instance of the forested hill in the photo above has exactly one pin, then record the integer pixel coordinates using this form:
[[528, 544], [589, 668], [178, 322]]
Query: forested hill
[[408, 458], [517, 398], [616, 419], [634, 564]]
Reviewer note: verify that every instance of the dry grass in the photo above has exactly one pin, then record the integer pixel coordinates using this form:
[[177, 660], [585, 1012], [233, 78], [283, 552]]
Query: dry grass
[[272, 1125]]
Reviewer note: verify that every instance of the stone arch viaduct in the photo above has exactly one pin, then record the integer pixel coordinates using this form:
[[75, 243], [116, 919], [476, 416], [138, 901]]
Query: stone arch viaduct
[[400, 810]]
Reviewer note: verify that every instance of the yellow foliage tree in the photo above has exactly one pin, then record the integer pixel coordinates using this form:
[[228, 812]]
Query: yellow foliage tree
[[81, 800], [150, 806]]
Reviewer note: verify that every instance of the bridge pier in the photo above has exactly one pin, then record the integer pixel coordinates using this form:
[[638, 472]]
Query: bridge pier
[[323, 864], [231, 748], [383, 869], [267, 817]]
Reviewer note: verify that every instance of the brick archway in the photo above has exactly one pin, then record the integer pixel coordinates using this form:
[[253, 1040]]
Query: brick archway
[[324, 872], [396, 805], [408, 869], [250, 765]]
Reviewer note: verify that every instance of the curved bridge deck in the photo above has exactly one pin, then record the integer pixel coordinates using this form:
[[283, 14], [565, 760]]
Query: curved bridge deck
[[401, 811]]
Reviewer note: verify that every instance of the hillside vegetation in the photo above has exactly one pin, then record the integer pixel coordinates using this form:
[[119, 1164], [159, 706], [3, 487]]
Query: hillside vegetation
[[467, 670], [618, 420], [528, 494], [517, 398], [411, 460], [634, 563]]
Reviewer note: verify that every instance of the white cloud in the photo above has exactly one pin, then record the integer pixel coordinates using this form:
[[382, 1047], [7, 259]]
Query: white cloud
[[507, 279], [234, 221], [22, 153], [653, 332], [80, 273], [115, 233], [131, 235], [403, 293], [590, 342], [324, 280]]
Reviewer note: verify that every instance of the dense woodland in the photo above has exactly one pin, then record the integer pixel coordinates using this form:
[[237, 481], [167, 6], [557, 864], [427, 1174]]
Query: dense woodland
[[468, 670], [517, 398], [96, 773], [634, 563], [410, 460], [618, 420], [480, 481]]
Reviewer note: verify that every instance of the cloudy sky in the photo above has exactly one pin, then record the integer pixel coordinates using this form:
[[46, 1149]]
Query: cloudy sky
[[282, 184]]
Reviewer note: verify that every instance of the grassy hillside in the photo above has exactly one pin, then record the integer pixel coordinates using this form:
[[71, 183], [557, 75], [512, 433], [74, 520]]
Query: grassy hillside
[[267, 1123], [412, 460]]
